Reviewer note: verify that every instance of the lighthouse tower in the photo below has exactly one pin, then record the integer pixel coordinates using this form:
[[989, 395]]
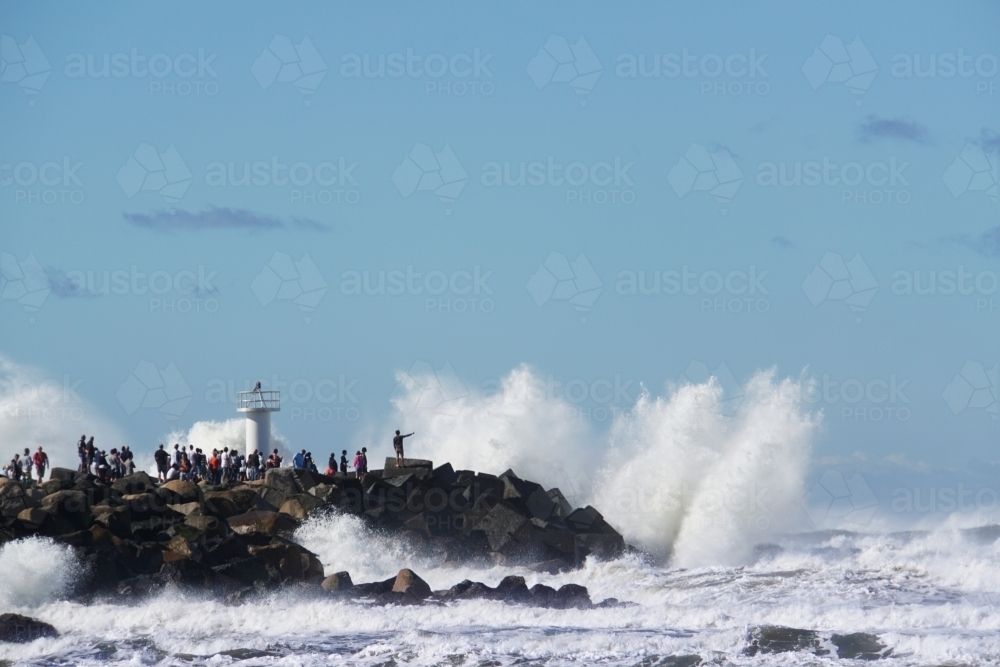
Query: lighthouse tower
[[258, 406]]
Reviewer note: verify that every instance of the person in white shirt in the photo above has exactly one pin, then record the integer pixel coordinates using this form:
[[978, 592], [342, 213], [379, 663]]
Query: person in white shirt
[[224, 460], [174, 472], [175, 455]]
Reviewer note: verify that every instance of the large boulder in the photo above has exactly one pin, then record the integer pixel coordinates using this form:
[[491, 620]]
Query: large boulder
[[177, 492], [299, 506], [338, 583], [271, 523], [22, 629], [408, 583], [284, 480], [137, 482]]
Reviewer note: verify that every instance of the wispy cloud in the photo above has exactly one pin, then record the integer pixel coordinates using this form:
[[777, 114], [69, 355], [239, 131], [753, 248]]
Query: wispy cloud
[[988, 139], [899, 129], [987, 243], [217, 218]]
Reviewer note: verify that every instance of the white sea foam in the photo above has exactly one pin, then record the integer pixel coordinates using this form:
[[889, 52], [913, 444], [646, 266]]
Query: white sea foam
[[49, 411], [676, 475], [231, 433], [35, 570]]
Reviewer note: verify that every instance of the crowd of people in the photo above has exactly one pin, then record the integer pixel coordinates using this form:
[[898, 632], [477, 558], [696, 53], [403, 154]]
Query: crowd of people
[[188, 463], [22, 467]]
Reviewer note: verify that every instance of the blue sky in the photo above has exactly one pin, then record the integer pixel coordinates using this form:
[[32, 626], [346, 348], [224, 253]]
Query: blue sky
[[489, 83]]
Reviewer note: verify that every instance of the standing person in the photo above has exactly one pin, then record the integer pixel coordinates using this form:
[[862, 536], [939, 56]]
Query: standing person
[[253, 462], [213, 467], [185, 467], [299, 460], [343, 461], [364, 460], [162, 459], [357, 463], [331, 465], [129, 459], [175, 454], [397, 444], [41, 461], [81, 451], [26, 465], [15, 467], [103, 469], [91, 455], [224, 463]]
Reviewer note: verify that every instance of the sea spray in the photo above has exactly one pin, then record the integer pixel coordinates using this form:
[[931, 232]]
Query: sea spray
[[520, 426], [50, 412], [231, 433], [677, 475], [689, 481], [36, 570]]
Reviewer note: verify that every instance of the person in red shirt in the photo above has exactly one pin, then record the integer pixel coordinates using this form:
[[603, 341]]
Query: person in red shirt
[[41, 461]]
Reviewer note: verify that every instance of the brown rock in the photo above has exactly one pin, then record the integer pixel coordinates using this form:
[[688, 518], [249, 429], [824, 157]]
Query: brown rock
[[338, 583], [270, 523], [407, 581], [176, 549], [182, 491]]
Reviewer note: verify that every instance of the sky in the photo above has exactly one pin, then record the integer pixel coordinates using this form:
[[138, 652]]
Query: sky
[[341, 199]]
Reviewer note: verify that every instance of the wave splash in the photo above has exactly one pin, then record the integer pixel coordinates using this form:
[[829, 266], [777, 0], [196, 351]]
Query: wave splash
[[679, 475]]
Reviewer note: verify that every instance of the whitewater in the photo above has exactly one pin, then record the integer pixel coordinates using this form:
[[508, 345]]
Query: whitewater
[[712, 498]]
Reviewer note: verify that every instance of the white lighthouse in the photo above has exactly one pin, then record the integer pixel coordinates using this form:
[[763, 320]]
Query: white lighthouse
[[258, 406]]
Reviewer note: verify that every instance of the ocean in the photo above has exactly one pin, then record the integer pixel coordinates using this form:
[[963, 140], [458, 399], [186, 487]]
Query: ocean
[[931, 598]]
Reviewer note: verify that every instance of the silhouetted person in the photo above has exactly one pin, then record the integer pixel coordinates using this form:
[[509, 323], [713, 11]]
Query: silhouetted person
[[343, 461], [162, 463], [397, 444]]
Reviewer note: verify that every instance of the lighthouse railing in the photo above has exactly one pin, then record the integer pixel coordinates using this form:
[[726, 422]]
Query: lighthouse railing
[[258, 400]]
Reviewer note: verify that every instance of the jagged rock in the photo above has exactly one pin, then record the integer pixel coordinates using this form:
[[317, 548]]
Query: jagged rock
[[271, 523], [445, 474], [271, 498], [602, 546], [34, 516], [300, 505], [227, 549], [582, 519], [512, 589], [137, 482], [187, 509], [777, 639], [338, 583], [375, 588], [23, 629], [220, 506], [178, 492], [117, 523], [859, 646], [177, 549], [209, 526], [64, 475], [282, 479], [409, 583], [572, 596]]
